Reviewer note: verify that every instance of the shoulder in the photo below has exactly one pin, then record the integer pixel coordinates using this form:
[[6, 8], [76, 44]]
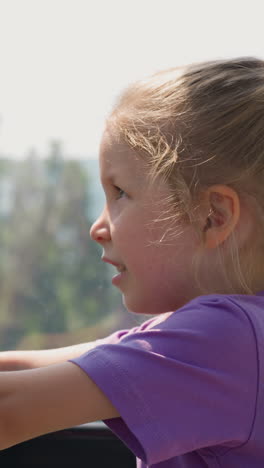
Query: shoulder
[[210, 311], [212, 327], [210, 332], [217, 310]]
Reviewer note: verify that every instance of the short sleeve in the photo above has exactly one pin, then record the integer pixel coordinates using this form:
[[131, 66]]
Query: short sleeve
[[187, 383]]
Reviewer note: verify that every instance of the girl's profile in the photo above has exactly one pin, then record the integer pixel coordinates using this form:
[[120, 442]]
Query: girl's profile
[[182, 168]]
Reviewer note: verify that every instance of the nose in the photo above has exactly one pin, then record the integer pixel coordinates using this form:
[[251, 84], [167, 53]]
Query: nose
[[100, 231]]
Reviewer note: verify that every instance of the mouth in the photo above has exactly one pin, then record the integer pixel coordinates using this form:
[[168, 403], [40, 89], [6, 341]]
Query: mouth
[[121, 271], [120, 267], [118, 279]]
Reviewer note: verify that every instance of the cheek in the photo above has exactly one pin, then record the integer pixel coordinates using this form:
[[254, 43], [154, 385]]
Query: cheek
[[173, 251], [129, 226]]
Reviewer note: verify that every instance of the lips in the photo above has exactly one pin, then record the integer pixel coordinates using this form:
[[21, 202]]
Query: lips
[[121, 272], [120, 268]]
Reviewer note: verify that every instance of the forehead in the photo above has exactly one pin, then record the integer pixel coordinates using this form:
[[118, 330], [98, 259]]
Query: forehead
[[117, 157]]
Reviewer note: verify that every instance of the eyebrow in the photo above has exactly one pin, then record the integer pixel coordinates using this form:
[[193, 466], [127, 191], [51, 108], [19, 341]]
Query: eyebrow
[[109, 178]]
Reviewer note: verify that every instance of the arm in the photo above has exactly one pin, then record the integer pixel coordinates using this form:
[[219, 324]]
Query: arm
[[35, 402], [20, 360]]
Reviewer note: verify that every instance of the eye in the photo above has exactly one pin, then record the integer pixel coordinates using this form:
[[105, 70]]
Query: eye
[[120, 193]]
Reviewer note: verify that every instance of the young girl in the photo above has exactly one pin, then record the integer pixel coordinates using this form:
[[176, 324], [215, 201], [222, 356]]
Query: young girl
[[182, 161]]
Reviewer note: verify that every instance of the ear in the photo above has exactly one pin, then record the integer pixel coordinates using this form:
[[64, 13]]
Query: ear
[[223, 212]]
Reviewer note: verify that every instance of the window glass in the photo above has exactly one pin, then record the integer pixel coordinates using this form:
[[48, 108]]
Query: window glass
[[54, 290]]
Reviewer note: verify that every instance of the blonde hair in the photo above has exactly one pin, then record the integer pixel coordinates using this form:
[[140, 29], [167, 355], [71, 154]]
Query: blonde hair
[[200, 125]]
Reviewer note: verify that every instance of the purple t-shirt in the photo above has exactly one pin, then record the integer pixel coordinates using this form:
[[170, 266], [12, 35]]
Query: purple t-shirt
[[189, 388]]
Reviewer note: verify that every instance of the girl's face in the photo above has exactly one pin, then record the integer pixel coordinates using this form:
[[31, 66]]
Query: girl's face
[[154, 270]]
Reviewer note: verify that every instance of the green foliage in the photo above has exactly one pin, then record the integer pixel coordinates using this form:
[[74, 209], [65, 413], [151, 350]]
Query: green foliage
[[51, 277]]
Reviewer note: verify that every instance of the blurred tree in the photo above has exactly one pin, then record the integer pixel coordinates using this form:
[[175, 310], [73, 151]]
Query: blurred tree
[[51, 279]]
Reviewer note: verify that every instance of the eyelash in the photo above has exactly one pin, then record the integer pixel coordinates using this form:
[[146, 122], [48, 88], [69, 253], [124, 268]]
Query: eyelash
[[121, 192]]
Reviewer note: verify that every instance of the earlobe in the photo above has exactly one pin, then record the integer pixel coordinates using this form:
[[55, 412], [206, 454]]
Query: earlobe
[[223, 215]]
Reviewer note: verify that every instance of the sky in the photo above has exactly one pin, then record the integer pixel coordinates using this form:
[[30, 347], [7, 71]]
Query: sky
[[64, 62]]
